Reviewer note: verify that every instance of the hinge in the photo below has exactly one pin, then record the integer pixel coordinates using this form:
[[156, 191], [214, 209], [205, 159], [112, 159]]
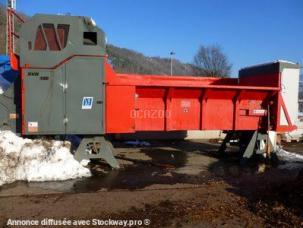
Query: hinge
[[65, 120], [64, 86]]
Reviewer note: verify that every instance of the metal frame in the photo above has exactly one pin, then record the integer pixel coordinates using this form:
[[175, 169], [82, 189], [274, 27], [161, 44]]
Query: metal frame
[[96, 148], [11, 35]]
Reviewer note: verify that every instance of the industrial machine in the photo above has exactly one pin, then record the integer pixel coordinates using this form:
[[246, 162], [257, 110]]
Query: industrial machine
[[67, 87]]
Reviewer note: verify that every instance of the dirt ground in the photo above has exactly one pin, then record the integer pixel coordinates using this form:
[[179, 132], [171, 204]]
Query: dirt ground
[[168, 184]]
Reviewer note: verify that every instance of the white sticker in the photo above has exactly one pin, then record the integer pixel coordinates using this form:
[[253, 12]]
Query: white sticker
[[259, 111], [32, 127], [87, 102]]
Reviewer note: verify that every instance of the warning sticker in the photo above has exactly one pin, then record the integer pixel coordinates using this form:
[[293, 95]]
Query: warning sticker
[[32, 127], [87, 102], [185, 103], [13, 116]]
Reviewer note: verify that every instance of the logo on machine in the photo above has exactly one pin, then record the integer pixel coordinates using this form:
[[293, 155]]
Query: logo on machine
[[33, 74], [87, 102]]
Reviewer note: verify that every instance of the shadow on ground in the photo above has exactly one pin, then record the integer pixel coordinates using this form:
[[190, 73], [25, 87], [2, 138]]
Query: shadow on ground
[[272, 193]]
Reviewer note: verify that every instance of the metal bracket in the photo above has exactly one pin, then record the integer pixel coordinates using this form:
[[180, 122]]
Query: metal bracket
[[249, 151], [96, 148], [261, 143], [254, 142], [64, 86]]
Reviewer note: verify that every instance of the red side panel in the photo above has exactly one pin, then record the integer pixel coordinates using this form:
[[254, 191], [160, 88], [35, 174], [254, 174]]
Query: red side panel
[[183, 107], [250, 110], [120, 103], [149, 113], [218, 110], [164, 103]]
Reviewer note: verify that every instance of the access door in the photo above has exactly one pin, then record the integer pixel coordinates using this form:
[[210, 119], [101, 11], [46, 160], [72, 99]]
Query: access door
[[84, 95]]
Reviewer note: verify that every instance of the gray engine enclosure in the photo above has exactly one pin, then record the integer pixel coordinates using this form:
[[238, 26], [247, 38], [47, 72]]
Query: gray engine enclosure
[[55, 83]]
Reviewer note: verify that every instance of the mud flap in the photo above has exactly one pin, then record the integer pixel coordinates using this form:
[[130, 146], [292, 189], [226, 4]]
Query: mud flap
[[97, 148]]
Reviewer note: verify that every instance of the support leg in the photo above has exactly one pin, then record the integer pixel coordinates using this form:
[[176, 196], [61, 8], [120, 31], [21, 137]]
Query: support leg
[[249, 151], [96, 147]]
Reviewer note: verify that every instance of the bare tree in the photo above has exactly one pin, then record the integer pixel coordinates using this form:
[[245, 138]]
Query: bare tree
[[212, 61]]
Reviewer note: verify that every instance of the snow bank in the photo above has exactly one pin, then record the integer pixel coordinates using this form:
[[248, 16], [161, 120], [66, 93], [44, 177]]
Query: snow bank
[[293, 160], [288, 156], [36, 160]]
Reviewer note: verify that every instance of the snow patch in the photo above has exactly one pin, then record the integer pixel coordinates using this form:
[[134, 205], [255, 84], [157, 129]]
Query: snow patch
[[37, 160], [293, 160], [288, 156]]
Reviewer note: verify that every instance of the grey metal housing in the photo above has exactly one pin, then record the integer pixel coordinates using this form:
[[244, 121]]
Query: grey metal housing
[[63, 89]]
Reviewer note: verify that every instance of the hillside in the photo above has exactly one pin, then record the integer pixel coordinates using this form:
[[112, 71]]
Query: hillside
[[129, 61], [124, 60]]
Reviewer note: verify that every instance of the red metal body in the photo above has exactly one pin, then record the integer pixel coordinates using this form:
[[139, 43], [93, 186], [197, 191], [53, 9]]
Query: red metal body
[[168, 103]]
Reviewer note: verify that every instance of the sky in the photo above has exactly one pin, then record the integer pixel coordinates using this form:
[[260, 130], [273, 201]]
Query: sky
[[249, 32]]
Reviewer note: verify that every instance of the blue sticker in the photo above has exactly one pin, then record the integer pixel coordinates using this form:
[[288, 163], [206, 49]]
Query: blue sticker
[[87, 102]]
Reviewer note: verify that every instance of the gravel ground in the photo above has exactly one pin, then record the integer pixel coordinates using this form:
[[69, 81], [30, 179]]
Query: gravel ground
[[172, 184]]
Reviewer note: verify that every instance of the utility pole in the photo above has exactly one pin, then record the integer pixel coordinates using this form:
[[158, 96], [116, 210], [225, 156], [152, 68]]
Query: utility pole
[[171, 62]]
